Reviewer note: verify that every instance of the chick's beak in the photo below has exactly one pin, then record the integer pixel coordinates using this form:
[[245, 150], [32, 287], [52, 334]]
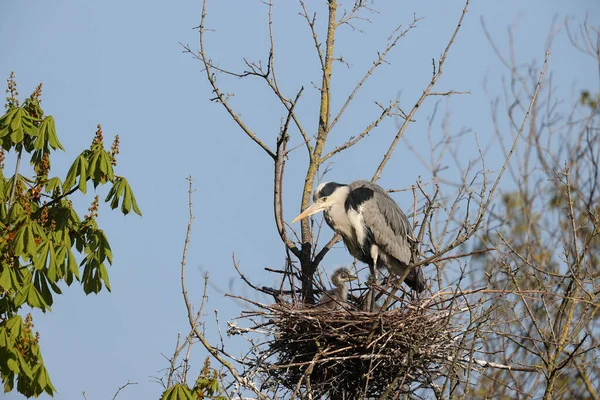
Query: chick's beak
[[316, 207]]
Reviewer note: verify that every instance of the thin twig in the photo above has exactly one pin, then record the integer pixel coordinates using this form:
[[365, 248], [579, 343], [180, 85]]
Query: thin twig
[[120, 388], [244, 381], [220, 97], [422, 98]]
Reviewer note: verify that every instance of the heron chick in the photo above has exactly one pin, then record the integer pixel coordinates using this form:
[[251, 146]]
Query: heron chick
[[338, 296], [373, 227]]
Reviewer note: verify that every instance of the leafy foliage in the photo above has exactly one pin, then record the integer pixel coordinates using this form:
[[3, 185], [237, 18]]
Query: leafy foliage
[[20, 352], [206, 387], [41, 233]]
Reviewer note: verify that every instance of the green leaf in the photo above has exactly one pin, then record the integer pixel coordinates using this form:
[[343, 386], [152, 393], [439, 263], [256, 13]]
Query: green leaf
[[55, 287], [16, 123], [24, 366], [71, 175], [214, 386], [24, 240], [104, 276], [41, 141], [104, 163], [72, 264], [27, 123], [41, 286], [5, 342], [16, 214], [103, 247], [30, 294], [42, 256], [5, 278], [2, 186], [19, 241], [3, 132], [91, 278], [177, 392], [93, 160], [9, 279], [60, 254], [6, 120], [46, 138], [35, 299], [38, 230], [78, 169], [17, 135], [43, 380], [13, 126], [83, 176], [21, 296], [14, 326], [30, 242], [13, 365], [100, 169], [134, 203], [47, 131], [126, 205], [107, 167], [115, 192], [121, 188], [53, 273], [53, 184]]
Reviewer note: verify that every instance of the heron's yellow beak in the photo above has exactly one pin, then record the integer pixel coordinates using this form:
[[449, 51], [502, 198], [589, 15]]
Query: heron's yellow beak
[[352, 278], [314, 208]]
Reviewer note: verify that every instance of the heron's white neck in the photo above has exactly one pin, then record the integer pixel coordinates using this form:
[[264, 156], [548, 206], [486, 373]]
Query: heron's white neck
[[336, 215]]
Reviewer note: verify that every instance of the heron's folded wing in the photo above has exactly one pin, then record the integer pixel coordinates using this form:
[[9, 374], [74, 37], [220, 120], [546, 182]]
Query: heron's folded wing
[[383, 218]]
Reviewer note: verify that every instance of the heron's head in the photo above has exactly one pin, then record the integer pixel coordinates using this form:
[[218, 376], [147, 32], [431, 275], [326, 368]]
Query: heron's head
[[341, 276], [326, 195]]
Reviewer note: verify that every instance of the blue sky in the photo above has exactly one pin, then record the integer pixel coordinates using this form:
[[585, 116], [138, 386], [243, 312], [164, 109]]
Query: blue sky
[[120, 64]]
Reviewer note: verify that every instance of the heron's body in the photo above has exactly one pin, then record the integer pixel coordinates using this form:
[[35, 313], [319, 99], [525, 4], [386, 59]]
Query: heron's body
[[371, 224]]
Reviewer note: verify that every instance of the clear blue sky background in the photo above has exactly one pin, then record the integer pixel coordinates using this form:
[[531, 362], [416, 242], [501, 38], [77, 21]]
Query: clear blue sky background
[[119, 63]]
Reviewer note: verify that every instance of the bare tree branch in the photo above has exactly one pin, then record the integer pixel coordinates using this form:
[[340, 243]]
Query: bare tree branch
[[245, 382], [119, 389], [425, 94], [392, 41], [220, 97]]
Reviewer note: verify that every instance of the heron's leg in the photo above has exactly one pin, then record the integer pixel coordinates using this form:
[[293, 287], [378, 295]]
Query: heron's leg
[[374, 256], [372, 295]]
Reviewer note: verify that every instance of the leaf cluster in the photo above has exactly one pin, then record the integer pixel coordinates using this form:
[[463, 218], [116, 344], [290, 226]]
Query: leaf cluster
[[20, 352], [43, 240], [206, 387]]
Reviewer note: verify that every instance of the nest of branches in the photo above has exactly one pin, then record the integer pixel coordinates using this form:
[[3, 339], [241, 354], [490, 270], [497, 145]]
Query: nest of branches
[[349, 354]]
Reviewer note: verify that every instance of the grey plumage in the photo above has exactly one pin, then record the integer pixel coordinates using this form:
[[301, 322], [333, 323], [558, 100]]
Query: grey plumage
[[337, 297], [373, 227], [391, 232]]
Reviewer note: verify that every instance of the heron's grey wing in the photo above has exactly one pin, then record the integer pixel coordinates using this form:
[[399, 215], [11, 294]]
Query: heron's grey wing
[[382, 216], [388, 225]]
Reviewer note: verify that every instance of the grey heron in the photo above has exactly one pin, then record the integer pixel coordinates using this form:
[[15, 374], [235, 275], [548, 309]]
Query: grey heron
[[372, 226], [339, 295]]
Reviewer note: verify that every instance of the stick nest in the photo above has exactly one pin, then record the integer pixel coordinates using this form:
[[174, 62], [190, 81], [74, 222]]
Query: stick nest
[[357, 353]]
